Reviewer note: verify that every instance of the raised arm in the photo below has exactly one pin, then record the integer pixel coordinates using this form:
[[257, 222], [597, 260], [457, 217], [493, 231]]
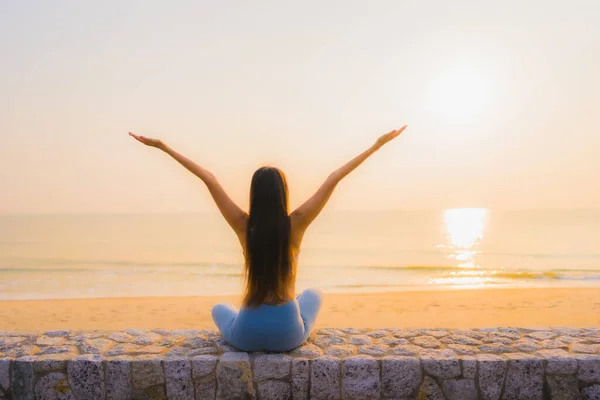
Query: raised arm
[[307, 212], [232, 213]]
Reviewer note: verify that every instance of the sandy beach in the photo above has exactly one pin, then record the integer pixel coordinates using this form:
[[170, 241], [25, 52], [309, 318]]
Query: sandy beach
[[435, 309]]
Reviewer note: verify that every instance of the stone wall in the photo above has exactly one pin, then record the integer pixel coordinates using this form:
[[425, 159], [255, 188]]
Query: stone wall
[[504, 363]]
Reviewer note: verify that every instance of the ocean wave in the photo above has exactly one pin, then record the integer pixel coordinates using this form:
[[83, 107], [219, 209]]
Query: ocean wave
[[44, 264], [498, 273]]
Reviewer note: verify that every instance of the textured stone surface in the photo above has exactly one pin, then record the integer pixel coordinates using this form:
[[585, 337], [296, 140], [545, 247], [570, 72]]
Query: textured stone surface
[[272, 366], [430, 390], [234, 376], [407, 350], [340, 350], [178, 378], [203, 376], [360, 378], [562, 387], [440, 363], [524, 377], [591, 393], [120, 337], [300, 378], [275, 390], [203, 365], [469, 367], [428, 342], [459, 389], [308, 350], [96, 346], [22, 377], [325, 378], [54, 386], [491, 371], [527, 363], [148, 378], [118, 379], [50, 341], [401, 376], [558, 362], [4, 374], [86, 376], [588, 368]]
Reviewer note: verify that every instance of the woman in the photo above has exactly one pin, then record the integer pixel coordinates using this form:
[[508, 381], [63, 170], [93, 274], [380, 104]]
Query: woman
[[272, 318]]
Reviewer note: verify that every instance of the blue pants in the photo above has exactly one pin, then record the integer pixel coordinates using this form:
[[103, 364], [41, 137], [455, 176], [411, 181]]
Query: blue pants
[[269, 328]]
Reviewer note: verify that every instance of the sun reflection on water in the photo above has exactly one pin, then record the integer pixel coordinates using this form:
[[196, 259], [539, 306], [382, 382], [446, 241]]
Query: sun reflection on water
[[464, 228]]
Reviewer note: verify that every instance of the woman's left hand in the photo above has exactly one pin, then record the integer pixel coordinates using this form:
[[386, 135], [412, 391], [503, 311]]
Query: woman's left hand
[[148, 141]]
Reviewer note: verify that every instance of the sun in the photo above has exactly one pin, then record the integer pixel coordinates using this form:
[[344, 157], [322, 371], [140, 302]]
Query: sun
[[461, 91]]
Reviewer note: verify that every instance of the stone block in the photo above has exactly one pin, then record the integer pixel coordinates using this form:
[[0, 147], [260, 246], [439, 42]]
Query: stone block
[[427, 342], [22, 377], [272, 366], [10, 341], [60, 333], [469, 367], [118, 379], [407, 350], [340, 350], [274, 390], [401, 376], [146, 339], [52, 362], [359, 340], [440, 363], [325, 378], [178, 378], [95, 346], [307, 350], [203, 375], [234, 377], [147, 377], [558, 362], [491, 372], [459, 389], [524, 377], [562, 387], [120, 337], [50, 340], [300, 378], [374, 349], [430, 390], [591, 393], [54, 386], [589, 368], [4, 374], [360, 378], [203, 365], [86, 376]]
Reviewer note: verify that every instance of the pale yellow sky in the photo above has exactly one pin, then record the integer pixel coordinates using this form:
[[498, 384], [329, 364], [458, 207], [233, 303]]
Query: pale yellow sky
[[500, 99]]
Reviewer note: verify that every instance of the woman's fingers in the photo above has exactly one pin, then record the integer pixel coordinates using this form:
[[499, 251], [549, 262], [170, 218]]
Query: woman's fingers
[[141, 139]]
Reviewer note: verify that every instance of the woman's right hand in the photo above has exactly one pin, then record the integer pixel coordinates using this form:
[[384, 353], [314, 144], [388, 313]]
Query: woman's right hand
[[383, 139]]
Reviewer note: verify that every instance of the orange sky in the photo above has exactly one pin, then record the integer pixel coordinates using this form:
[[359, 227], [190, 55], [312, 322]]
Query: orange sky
[[501, 100]]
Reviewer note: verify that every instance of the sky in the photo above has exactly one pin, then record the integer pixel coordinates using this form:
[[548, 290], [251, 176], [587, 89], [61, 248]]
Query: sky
[[500, 99]]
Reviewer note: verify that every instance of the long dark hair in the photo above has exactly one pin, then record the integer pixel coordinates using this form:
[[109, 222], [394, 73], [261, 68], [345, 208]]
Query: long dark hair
[[268, 254]]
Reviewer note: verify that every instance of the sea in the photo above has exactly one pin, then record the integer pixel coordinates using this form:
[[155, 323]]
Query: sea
[[196, 254]]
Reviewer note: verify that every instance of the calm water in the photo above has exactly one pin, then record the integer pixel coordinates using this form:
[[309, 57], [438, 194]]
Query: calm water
[[75, 256]]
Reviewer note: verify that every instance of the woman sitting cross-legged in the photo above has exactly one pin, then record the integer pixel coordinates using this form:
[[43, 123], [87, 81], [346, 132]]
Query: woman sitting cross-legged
[[272, 317]]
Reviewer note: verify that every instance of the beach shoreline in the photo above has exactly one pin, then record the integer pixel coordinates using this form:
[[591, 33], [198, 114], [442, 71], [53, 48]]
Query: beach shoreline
[[473, 308]]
